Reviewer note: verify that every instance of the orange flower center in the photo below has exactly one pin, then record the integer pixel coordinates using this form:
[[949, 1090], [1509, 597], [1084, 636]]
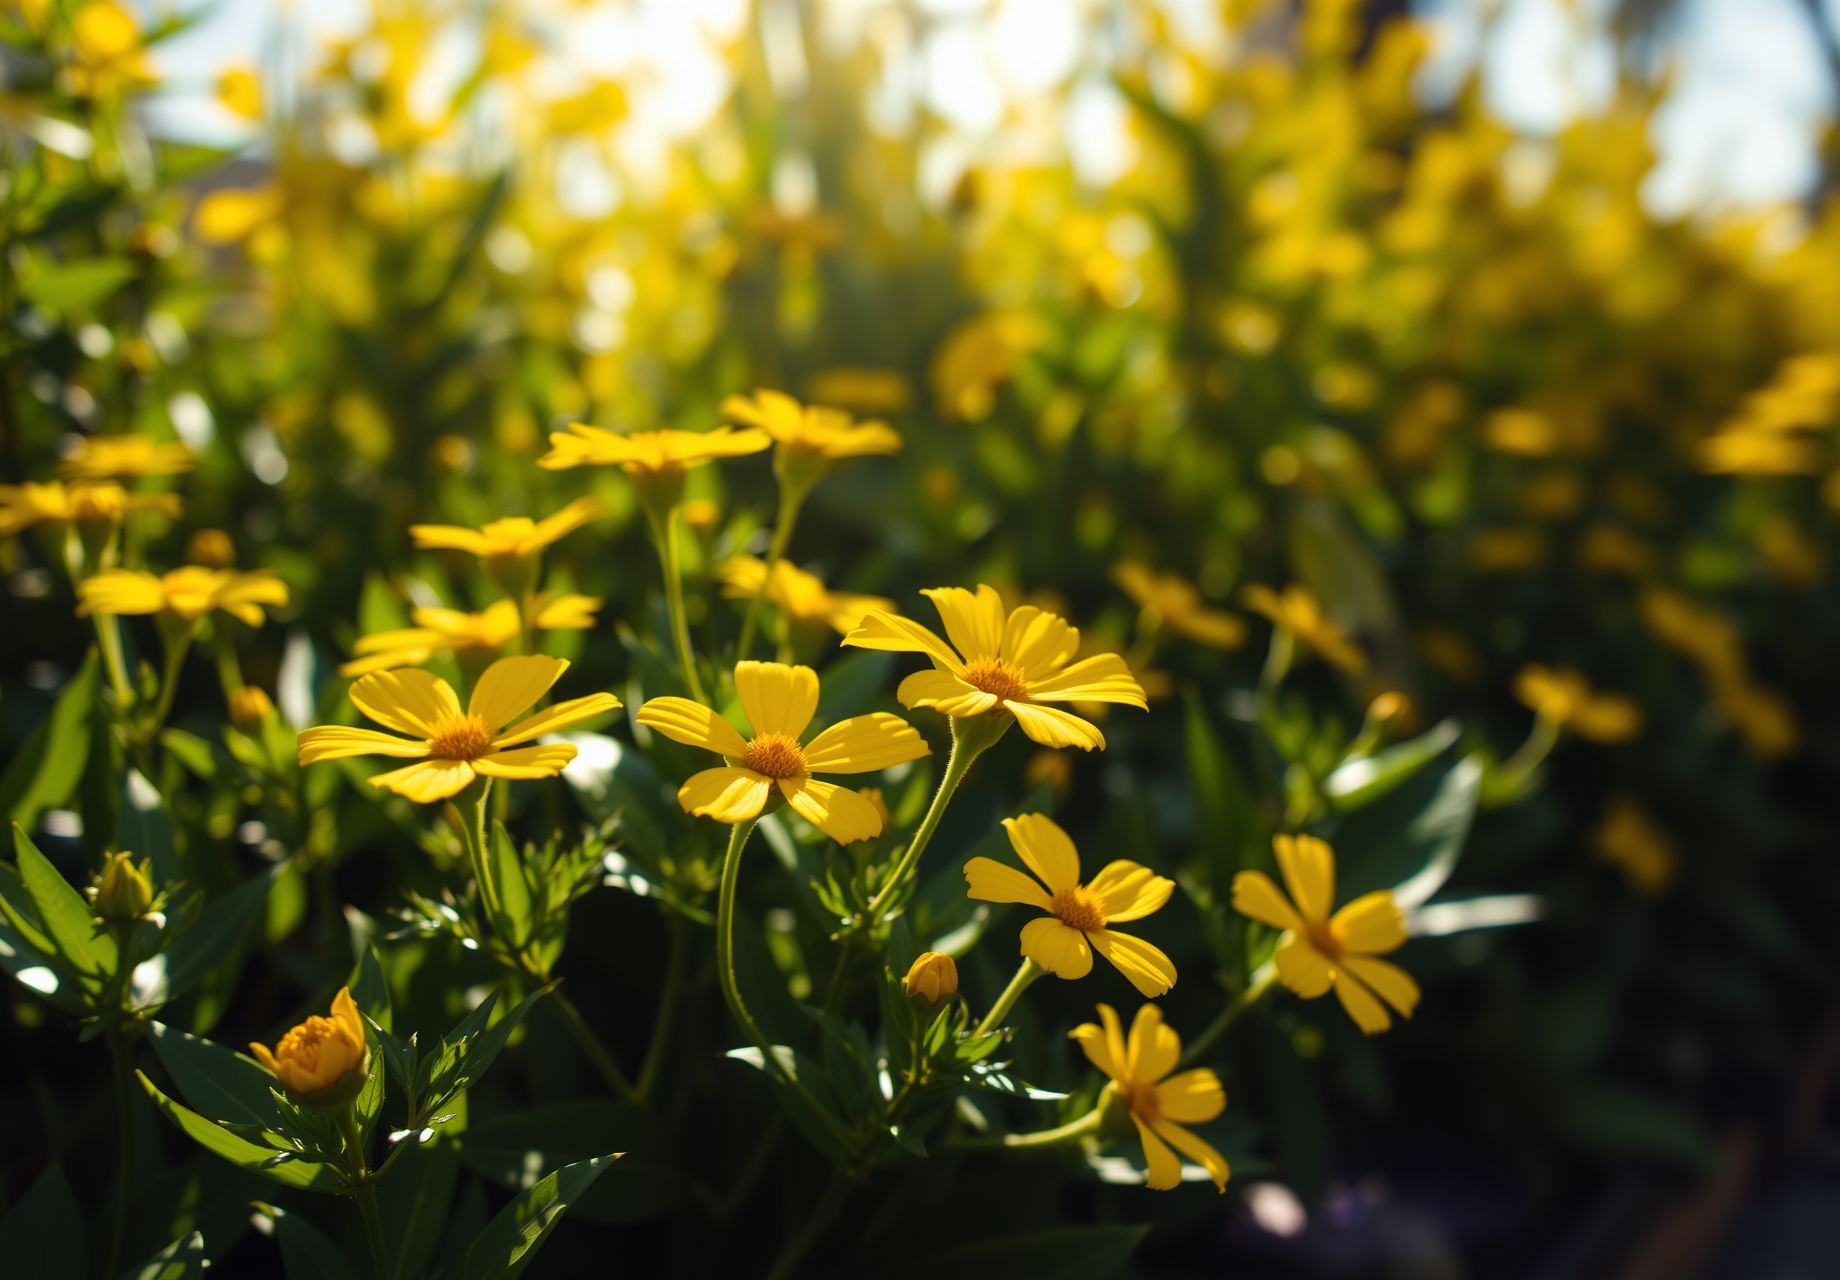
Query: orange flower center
[[459, 738], [1141, 1098], [1078, 909], [1323, 939], [776, 756], [1001, 678]]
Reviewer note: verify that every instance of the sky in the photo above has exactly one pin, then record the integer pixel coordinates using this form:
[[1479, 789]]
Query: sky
[[1739, 129]]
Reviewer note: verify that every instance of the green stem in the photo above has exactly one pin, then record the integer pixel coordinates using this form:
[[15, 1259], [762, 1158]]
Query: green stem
[[577, 1026], [1262, 981], [1017, 985], [791, 499], [1510, 781], [373, 1227], [1088, 1123], [108, 635], [472, 806], [664, 534], [178, 645], [814, 1227], [971, 737], [668, 1001], [120, 1056]]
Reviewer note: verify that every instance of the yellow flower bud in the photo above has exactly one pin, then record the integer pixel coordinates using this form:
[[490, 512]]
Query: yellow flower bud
[[123, 892], [701, 514], [249, 706], [932, 978], [211, 548], [323, 1062]]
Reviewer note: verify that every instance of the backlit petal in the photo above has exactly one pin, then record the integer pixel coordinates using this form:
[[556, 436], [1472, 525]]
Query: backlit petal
[[1309, 873], [1038, 642], [988, 880], [1368, 1013], [945, 693], [1053, 727], [560, 716], [447, 537], [1193, 1097], [1092, 1042], [1101, 678], [1144, 964], [1045, 849], [1165, 1168], [544, 761], [889, 631], [1303, 968], [1256, 897], [426, 781], [336, 742], [407, 701], [728, 794], [1129, 890], [837, 811], [1063, 952], [511, 686], [1196, 1149], [862, 744], [1393, 984], [694, 724], [1153, 1048], [776, 698], [1114, 1038], [1372, 924], [974, 623], [566, 521]]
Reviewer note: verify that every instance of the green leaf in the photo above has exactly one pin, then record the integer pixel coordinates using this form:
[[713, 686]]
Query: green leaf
[[191, 751], [413, 1203], [76, 284], [1408, 841], [38, 971], [181, 1260], [515, 1150], [1064, 1253], [467, 1051], [507, 871], [369, 989], [47, 767], [63, 913], [814, 1110], [43, 1236], [219, 1082], [243, 1154], [305, 1252], [220, 927], [1230, 834], [1361, 782], [512, 1239], [143, 828]]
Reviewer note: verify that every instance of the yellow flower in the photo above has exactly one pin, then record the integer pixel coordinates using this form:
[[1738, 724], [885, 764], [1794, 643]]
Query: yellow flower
[[106, 52], [188, 593], [798, 594], [546, 611], [1158, 1103], [1301, 614], [864, 390], [1319, 950], [779, 702], [123, 891], [25, 505], [323, 1061], [451, 747], [976, 357], [1632, 841], [240, 90], [211, 548], [249, 706], [230, 214], [1063, 942], [932, 978], [648, 453], [112, 457], [514, 537], [1565, 696], [1011, 665], [438, 631], [828, 433], [1169, 601]]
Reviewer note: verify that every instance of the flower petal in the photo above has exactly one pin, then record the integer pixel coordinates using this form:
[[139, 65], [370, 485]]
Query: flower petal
[[776, 698], [1063, 952], [1193, 1097], [1144, 964], [1114, 1038], [1103, 677], [1196, 1149], [1368, 1013], [1308, 866], [727, 794], [406, 701], [1393, 984], [837, 811], [1256, 897], [572, 517], [1372, 924], [447, 537], [1053, 727], [862, 744], [1092, 1041], [1165, 1168], [1037, 641], [1153, 1049], [974, 623], [511, 686], [882, 630], [337, 742], [1045, 849], [1303, 968], [988, 880], [694, 724], [560, 716], [1129, 890], [545, 761], [426, 781], [945, 693]]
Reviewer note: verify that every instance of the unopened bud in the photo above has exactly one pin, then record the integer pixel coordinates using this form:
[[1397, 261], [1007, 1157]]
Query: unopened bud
[[932, 978], [249, 706], [211, 548], [123, 891]]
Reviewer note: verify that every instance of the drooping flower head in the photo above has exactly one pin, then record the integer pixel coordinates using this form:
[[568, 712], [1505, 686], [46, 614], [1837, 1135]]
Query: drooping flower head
[[1158, 1103], [1168, 601], [119, 457], [779, 702], [1566, 697], [467, 635], [1079, 915], [323, 1062], [800, 596], [510, 548], [25, 505], [1002, 665], [188, 593], [451, 747], [1301, 613], [1319, 950]]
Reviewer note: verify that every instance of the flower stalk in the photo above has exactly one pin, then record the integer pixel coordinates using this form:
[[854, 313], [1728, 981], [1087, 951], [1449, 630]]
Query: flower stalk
[[1254, 991], [661, 518], [1005, 1002], [791, 499]]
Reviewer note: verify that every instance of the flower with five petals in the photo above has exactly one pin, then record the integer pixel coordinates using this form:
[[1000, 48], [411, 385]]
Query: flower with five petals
[[1158, 1103]]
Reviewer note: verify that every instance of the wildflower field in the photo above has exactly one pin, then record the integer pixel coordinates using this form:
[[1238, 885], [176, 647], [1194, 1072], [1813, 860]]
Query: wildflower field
[[815, 697]]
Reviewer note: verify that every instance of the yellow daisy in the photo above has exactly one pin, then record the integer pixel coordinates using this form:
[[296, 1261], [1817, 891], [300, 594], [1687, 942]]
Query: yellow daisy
[[799, 595], [512, 538], [451, 747], [648, 453], [1063, 942], [25, 505], [438, 631], [188, 593], [815, 429], [1159, 1104], [779, 702], [1319, 950], [1170, 602], [1565, 697], [1300, 613], [112, 457], [1002, 665]]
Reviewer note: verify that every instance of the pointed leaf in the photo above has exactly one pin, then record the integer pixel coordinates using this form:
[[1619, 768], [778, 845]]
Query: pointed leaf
[[305, 1252], [47, 767], [143, 828], [1361, 782], [369, 991], [239, 1152], [467, 1050], [181, 1260], [220, 1083], [413, 1203], [221, 925], [43, 1236], [512, 1239], [63, 913], [507, 871], [516, 1150]]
